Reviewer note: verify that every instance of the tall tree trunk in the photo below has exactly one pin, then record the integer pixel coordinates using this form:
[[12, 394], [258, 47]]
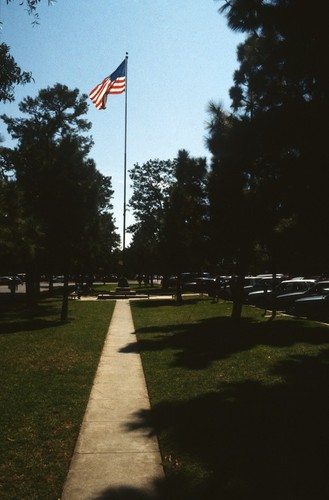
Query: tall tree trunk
[[65, 301], [179, 297], [32, 287], [273, 299], [51, 284], [237, 296]]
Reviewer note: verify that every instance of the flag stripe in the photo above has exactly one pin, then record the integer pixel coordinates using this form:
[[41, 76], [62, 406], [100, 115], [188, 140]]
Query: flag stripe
[[113, 84]]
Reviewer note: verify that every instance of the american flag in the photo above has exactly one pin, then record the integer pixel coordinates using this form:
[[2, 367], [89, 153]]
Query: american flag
[[113, 84]]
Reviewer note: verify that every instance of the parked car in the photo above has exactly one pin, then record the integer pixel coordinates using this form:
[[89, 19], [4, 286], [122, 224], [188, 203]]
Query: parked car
[[250, 284], [286, 302], [312, 306], [200, 285], [261, 298], [261, 284], [223, 287], [6, 280], [58, 279], [184, 278], [110, 278]]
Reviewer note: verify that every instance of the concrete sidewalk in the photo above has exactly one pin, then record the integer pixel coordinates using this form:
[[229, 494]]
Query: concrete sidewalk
[[117, 454]]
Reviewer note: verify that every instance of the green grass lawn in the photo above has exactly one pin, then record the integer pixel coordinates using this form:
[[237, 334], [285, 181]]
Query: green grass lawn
[[46, 369], [241, 410]]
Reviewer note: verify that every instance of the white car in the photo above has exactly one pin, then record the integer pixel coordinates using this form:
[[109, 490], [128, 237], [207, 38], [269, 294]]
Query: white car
[[259, 297]]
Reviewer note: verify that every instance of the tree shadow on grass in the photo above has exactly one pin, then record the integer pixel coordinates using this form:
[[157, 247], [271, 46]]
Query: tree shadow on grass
[[199, 344], [20, 317], [23, 326], [249, 440], [167, 302]]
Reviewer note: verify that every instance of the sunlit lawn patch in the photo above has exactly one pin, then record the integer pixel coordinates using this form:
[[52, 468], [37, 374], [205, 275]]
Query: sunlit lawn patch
[[46, 370]]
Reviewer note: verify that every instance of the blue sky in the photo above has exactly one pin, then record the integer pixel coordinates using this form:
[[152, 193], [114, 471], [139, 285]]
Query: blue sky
[[181, 56]]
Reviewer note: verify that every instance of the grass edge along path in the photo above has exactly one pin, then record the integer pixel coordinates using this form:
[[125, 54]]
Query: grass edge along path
[[241, 410], [47, 370]]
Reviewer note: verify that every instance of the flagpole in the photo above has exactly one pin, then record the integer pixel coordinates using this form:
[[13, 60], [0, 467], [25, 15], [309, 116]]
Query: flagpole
[[125, 162]]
